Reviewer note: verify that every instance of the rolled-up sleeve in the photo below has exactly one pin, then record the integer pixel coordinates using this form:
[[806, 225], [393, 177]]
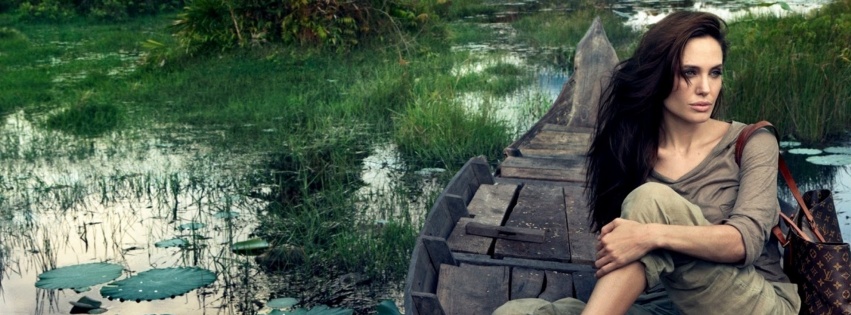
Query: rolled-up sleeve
[[756, 209]]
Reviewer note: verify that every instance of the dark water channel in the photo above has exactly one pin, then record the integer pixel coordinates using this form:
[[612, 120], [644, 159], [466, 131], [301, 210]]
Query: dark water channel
[[67, 201]]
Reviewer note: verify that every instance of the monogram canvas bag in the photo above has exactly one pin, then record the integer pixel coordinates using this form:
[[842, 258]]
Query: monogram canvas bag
[[815, 256]]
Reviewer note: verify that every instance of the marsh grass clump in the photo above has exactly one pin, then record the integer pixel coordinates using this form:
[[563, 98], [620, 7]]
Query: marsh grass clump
[[498, 80], [89, 118], [442, 130], [795, 71], [556, 29]]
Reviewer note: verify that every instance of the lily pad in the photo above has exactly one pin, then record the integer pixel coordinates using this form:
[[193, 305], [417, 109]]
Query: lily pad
[[789, 144], [78, 276], [226, 214], [175, 242], [191, 226], [804, 151], [282, 303], [250, 247], [838, 150], [833, 159], [156, 284]]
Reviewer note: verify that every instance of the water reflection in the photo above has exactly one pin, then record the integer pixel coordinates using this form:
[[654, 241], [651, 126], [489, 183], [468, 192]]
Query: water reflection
[[67, 201]]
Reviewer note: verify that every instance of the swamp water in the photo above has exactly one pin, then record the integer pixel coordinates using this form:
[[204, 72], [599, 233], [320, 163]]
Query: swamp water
[[68, 201]]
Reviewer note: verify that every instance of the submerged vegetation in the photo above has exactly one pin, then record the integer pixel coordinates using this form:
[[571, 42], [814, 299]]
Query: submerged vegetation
[[295, 113]]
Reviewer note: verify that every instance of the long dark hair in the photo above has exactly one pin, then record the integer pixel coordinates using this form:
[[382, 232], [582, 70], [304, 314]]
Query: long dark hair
[[626, 139]]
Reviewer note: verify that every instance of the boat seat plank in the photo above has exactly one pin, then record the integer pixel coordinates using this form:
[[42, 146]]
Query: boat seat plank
[[572, 170], [560, 138], [486, 260], [583, 243], [583, 284], [540, 207], [460, 241], [552, 152], [472, 289], [491, 202], [488, 206], [526, 283], [506, 232], [558, 285]]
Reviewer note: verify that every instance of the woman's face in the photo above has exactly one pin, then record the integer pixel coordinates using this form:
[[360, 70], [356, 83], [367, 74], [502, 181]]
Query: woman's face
[[698, 84]]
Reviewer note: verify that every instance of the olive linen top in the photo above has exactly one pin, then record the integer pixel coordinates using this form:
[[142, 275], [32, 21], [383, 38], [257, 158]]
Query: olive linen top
[[744, 197]]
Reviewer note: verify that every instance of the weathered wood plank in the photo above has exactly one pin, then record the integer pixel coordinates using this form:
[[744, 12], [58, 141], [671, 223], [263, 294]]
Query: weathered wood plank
[[520, 262], [482, 171], [526, 283], [543, 168], [465, 182], [521, 181], [594, 59], [576, 208], [553, 152], [438, 251], [447, 210], [422, 276], [491, 202], [557, 285], [566, 128], [560, 138], [539, 207], [426, 304], [583, 243], [460, 241], [472, 289], [583, 284], [506, 232]]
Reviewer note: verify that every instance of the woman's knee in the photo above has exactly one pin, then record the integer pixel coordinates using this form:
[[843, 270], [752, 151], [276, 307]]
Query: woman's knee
[[647, 202]]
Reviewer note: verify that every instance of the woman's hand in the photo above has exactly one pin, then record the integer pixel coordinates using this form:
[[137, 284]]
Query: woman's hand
[[621, 242]]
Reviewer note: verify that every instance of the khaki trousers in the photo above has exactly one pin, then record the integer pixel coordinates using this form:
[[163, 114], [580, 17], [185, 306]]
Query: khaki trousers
[[695, 286]]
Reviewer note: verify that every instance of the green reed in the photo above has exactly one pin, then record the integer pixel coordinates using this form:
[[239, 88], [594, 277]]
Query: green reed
[[794, 71]]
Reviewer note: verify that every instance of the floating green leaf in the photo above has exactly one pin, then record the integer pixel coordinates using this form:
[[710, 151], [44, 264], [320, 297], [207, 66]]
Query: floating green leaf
[[803, 151], [282, 303], [833, 160], [78, 276], [158, 284], [191, 226], [838, 150], [789, 144], [175, 242], [250, 247], [387, 307]]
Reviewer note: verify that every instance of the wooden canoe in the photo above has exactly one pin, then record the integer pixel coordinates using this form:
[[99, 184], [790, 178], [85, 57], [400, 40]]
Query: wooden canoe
[[521, 231]]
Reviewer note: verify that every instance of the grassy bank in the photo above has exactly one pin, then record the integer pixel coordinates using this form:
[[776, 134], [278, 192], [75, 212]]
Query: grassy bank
[[794, 71]]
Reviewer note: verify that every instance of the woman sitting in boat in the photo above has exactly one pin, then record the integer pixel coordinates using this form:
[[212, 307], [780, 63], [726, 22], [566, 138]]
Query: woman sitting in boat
[[682, 227]]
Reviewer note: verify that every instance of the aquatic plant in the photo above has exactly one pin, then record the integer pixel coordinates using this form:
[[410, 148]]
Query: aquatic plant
[[158, 284], [78, 276]]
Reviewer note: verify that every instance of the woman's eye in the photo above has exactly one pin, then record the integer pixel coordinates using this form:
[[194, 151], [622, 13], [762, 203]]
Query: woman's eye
[[716, 73], [689, 73]]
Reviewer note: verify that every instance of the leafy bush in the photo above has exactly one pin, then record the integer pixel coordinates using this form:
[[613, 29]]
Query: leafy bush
[[205, 24]]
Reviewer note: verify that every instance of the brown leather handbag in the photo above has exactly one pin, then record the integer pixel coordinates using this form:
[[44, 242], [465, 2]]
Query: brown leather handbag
[[815, 256]]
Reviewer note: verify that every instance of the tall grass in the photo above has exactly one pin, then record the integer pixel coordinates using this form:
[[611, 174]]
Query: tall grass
[[794, 71], [558, 29]]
